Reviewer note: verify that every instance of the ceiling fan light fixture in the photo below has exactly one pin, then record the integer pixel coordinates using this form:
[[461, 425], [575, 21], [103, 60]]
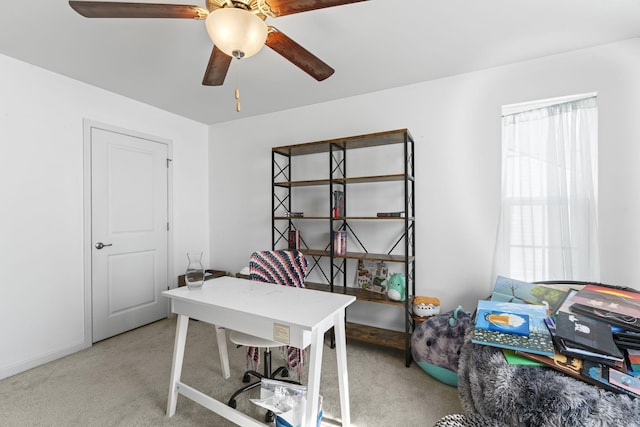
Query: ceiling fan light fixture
[[236, 32]]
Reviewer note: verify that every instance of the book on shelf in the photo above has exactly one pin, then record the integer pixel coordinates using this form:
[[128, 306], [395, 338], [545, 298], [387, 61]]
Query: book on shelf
[[371, 274], [398, 214], [539, 340], [294, 240], [584, 332], [338, 204], [294, 214], [340, 243]]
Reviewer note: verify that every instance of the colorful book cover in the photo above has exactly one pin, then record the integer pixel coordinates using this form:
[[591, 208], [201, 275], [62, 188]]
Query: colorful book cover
[[517, 291], [600, 302], [625, 381], [500, 321], [539, 340], [599, 373], [610, 300], [569, 365]]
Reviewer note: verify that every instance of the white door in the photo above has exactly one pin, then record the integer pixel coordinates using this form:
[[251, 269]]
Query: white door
[[129, 231]]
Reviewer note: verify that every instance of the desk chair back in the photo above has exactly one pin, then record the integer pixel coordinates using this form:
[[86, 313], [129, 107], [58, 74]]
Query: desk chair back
[[281, 267]]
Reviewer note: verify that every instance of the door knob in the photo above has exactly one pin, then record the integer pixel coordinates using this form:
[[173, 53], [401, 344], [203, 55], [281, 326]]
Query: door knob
[[101, 245]]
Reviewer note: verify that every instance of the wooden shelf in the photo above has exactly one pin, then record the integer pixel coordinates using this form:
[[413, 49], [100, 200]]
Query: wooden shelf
[[344, 218], [360, 294], [377, 336], [343, 181], [353, 142], [358, 255]]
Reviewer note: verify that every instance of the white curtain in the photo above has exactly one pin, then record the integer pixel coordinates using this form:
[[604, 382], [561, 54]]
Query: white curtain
[[549, 225]]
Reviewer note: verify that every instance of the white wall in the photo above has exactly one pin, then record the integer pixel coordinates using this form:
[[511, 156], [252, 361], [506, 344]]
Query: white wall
[[456, 124], [41, 203]]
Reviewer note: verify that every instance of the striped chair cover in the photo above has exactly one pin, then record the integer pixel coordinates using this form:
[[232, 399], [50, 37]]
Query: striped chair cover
[[281, 267]]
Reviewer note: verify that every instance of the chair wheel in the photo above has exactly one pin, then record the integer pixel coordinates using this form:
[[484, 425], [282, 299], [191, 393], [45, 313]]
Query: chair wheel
[[246, 378], [232, 403], [285, 373], [269, 417]]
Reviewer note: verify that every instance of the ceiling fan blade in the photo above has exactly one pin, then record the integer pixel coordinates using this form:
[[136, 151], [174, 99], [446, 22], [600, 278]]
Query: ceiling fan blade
[[102, 9], [289, 7], [217, 68], [297, 55]]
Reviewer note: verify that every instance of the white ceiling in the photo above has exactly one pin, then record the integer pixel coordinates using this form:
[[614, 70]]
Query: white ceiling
[[372, 45]]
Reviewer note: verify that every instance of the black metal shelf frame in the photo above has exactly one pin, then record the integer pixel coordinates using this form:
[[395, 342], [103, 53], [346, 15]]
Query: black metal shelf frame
[[282, 183]]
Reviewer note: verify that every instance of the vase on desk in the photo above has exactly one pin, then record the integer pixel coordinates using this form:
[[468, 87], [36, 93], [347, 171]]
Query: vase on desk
[[194, 276]]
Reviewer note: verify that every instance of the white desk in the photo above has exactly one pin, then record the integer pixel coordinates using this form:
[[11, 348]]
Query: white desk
[[292, 316]]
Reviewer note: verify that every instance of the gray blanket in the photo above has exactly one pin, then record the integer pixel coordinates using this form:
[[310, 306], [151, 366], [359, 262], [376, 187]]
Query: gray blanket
[[519, 395]]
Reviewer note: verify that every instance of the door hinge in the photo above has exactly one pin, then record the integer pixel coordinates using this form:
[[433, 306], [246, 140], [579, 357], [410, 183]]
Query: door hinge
[[167, 226], [168, 161]]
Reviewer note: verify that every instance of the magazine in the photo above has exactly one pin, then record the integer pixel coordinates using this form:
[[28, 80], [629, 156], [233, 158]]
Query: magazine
[[371, 274]]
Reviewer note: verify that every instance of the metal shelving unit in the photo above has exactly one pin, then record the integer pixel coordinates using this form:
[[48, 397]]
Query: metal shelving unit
[[335, 274]]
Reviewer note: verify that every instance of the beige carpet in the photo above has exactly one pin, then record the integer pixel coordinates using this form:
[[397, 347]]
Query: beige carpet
[[124, 381]]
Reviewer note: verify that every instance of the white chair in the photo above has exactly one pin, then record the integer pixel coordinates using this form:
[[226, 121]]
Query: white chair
[[281, 267]]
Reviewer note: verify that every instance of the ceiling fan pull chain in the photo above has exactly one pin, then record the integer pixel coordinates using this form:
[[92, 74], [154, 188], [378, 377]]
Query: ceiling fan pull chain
[[237, 92]]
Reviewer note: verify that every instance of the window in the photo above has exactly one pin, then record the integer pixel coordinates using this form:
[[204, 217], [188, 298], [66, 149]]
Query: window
[[548, 226]]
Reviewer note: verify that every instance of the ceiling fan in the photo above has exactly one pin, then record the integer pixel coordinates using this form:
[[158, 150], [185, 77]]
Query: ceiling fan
[[236, 27]]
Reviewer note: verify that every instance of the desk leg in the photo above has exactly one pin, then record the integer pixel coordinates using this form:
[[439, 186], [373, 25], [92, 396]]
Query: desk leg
[[343, 377], [313, 389], [176, 365], [221, 335]]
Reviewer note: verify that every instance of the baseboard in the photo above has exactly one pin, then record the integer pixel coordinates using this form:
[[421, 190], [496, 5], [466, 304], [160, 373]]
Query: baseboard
[[10, 371]]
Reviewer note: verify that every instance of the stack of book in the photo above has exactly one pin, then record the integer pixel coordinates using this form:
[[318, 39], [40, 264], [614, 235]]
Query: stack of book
[[294, 240], [340, 243], [591, 332]]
